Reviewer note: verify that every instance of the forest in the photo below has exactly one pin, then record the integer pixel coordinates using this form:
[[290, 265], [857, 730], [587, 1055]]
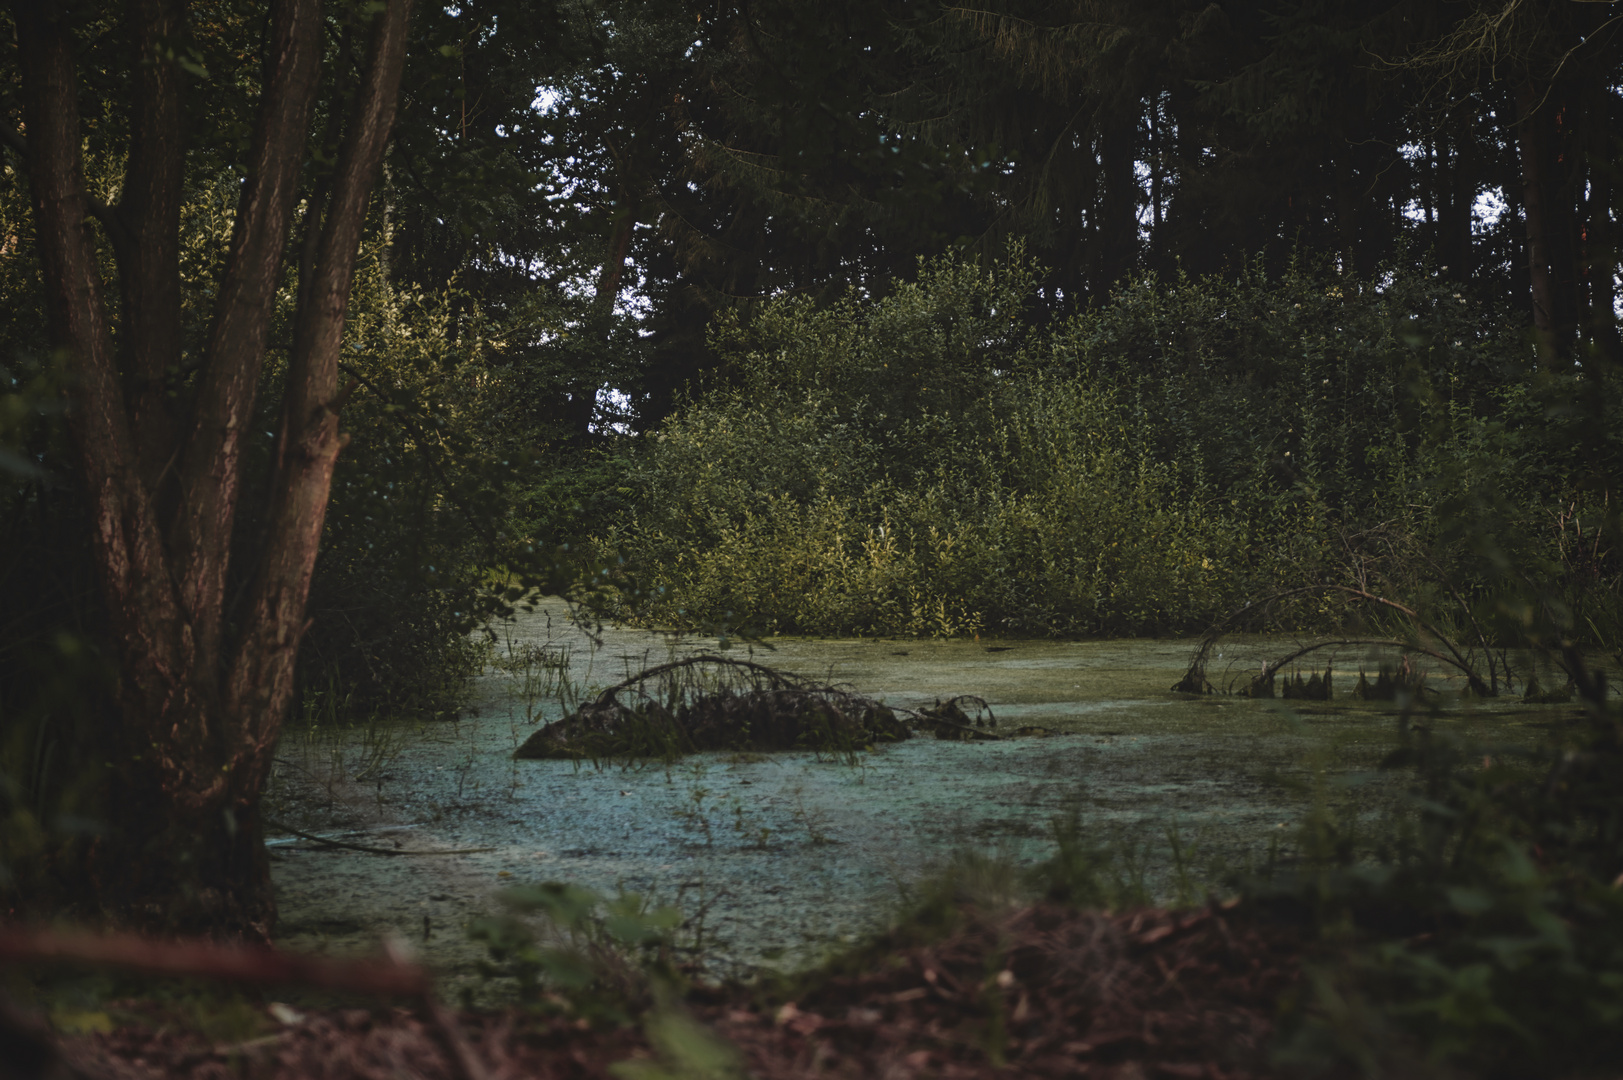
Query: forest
[[332, 334]]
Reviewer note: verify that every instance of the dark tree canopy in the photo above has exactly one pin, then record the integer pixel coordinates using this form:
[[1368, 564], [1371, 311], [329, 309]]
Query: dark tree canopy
[[786, 146]]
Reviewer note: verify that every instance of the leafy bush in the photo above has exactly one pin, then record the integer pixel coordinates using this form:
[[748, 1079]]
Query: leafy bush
[[922, 463], [599, 957], [416, 504]]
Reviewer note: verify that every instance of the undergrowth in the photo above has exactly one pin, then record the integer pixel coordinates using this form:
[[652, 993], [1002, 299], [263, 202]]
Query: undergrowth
[[1481, 930]]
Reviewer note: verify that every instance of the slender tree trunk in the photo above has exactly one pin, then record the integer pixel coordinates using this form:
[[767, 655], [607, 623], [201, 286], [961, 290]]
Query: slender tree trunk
[[200, 707], [146, 231], [1348, 217], [581, 407], [1459, 193], [1533, 147], [1358, 210], [1601, 261], [1563, 205], [1117, 229], [1429, 184], [1600, 237], [1155, 178], [614, 266]]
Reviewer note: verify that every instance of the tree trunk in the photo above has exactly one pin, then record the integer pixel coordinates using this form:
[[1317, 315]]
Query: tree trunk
[[1458, 196], [1533, 148], [200, 703], [1117, 231], [1562, 207], [1601, 263], [1600, 240], [614, 265]]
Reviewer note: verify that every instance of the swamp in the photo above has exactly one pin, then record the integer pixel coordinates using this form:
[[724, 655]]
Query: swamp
[[775, 859], [587, 538]]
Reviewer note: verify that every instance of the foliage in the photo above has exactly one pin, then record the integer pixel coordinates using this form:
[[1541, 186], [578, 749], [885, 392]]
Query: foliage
[[920, 463], [594, 956], [1479, 928], [417, 498], [1112, 137]]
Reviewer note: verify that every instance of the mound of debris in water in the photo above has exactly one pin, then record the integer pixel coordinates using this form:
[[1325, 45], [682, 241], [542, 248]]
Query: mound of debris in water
[[716, 703], [950, 720], [710, 702]]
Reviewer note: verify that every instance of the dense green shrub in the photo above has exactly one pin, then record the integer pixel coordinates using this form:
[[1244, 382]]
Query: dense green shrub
[[923, 463], [416, 502]]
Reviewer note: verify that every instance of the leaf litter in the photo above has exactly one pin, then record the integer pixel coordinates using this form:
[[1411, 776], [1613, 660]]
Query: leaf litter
[[1041, 990]]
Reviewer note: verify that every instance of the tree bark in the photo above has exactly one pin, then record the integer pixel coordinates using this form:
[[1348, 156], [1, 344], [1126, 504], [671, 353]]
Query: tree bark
[[260, 686], [1458, 196], [1117, 230], [200, 703], [1563, 202], [1600, 242], [1533, 148], [146, 233]]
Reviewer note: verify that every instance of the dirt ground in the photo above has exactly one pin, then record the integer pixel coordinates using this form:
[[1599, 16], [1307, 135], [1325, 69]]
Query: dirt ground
[[1034, 991]]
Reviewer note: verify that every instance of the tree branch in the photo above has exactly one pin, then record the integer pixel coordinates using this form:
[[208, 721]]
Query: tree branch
[[211, 464], [148, 213], [129, 551], [203, 959], [260, 685]]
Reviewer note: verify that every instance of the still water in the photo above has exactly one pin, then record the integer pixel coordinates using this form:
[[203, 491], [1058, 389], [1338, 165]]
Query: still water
[[777, 858]]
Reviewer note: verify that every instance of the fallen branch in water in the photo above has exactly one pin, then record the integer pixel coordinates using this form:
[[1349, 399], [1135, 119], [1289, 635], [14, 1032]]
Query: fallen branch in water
[[369, 850], [1273, 667], [709, 702], [1195, 681]]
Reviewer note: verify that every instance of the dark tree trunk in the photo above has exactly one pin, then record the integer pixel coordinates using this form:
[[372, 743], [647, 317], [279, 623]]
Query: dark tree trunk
[[614, 265], [145, 229], [1533, 143], [1563, 201], [1458, 181], [200, 708], [579, 410], [1116, 232], [1601, 264], [1599, 257], [1358, 212]]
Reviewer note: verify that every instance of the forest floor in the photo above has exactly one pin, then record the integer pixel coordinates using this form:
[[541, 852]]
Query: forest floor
[[1040, 990]]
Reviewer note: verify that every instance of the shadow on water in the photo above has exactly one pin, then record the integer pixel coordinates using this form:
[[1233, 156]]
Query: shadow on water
[[775, 858]]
